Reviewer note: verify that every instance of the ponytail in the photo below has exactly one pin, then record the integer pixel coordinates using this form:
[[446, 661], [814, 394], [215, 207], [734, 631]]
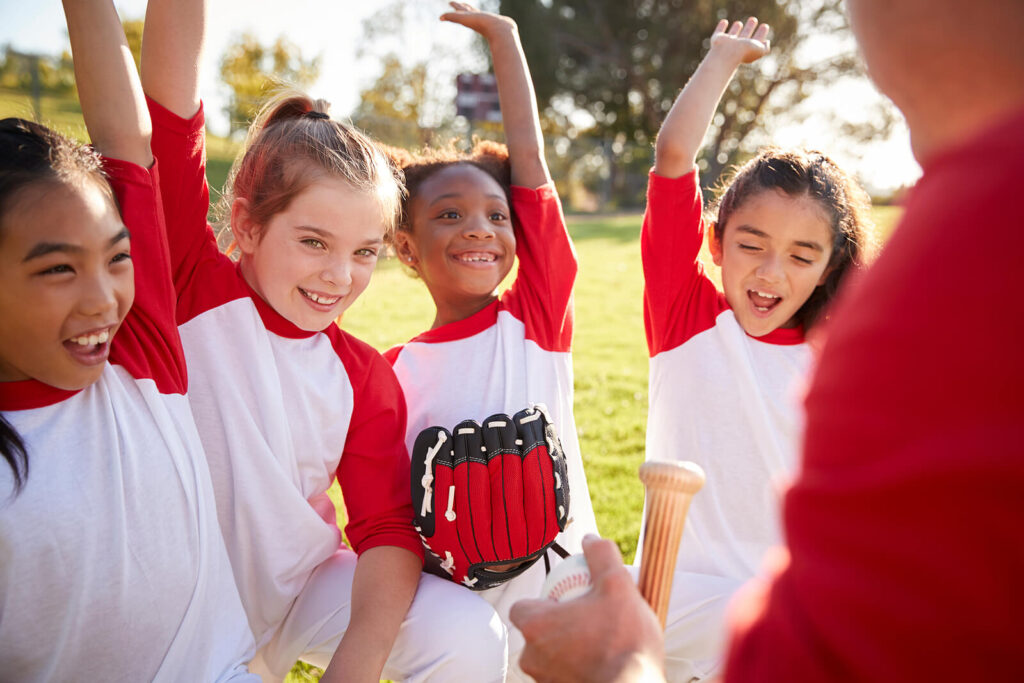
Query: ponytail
[[292, 142]]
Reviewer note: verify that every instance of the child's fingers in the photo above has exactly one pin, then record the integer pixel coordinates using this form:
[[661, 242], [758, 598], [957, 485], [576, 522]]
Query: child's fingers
[[722, 27], [462, 9], [735, 29], [748, 28], [762, 34]]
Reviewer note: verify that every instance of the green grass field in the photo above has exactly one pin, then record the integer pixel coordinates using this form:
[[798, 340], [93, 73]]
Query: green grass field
[[610, 353]]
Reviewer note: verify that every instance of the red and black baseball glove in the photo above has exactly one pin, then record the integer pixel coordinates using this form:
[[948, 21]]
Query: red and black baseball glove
[[490, 499]]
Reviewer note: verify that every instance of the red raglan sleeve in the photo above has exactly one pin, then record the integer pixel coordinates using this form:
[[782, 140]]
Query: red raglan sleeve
[[147, 344], [679, 299], [374, 468], [180, 147], [541, 295]]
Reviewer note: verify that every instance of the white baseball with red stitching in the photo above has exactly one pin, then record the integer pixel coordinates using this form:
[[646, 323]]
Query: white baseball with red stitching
[[569, 579]]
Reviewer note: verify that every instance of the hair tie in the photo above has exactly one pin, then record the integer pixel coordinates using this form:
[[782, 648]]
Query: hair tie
[[317, 115]]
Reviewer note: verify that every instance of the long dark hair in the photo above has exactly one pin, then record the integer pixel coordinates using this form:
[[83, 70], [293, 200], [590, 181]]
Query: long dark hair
[[31, 153], [798, 173]]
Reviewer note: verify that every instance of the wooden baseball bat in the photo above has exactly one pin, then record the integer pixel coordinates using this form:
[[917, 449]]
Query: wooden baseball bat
[[669, 488]]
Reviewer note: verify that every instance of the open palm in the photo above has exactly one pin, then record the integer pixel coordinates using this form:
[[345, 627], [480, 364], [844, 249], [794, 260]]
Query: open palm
[[748, 41], [484, 23]]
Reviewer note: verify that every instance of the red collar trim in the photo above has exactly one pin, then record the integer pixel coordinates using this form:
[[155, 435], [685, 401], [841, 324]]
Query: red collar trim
[[460, 329], [272, 320], [783, 336], [31, 393]]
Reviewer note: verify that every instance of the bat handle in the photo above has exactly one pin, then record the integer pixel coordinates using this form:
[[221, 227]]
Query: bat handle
[[669, 487]]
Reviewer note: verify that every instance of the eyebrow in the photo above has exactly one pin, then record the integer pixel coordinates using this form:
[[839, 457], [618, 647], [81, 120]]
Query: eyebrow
[[313, 229], [814, 246], [455, 195], [327, 235], [43, 248]]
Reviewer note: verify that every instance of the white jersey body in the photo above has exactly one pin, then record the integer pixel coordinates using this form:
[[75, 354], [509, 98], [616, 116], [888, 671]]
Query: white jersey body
[[112, 564], [514, 353], [718, 397], [282, 412]]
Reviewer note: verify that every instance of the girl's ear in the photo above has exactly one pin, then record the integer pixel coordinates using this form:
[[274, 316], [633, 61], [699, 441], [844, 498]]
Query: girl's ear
[[245, 230], [404, 248], [715, 243]]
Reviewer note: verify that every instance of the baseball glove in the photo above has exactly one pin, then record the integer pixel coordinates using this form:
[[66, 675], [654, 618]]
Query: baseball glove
[[490, 499]]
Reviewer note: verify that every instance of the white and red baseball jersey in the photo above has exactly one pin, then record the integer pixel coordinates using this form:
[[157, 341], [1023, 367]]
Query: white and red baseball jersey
[[112, 564], [281, 411], [513, 353], [718, 397]]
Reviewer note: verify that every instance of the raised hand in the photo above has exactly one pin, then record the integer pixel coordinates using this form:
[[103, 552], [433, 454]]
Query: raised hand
[[484, 23], [746, 42], [686, 124], [515, 91]]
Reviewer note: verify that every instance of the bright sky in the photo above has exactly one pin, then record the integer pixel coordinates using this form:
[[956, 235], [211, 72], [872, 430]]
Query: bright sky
[[329, 28], [332, 29]]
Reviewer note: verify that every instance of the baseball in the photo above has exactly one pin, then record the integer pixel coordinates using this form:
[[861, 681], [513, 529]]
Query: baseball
[[569, 579]]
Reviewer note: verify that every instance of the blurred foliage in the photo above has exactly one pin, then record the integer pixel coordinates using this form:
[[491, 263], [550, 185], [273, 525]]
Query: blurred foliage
[[391, 109], [26, 72], [133, 34], [621, 64], [251, 70]]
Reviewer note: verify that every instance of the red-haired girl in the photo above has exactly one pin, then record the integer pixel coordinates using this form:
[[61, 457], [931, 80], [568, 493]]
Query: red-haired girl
[[285, 401], [726, 366], [112, 564]]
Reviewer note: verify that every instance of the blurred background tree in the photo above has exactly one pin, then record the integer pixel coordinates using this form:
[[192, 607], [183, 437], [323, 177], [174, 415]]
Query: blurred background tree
[[605, 74], [609, 72], [392, 108], [251, 70]]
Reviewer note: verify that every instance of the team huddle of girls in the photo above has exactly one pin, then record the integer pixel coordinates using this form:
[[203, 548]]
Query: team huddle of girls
[[172, 417]]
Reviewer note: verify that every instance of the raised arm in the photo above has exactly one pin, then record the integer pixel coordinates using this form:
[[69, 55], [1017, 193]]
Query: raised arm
[[681, 134], [515, 92], [172, 49], [113, 105]]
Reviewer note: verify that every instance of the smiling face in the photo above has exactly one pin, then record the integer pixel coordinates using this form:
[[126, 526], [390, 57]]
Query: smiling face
[[460, 239], [314, 258], [66, 283], [773, 252]]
